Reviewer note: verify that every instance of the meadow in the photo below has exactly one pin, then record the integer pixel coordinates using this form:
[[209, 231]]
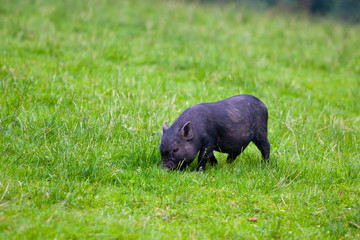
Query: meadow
[[85, 87]]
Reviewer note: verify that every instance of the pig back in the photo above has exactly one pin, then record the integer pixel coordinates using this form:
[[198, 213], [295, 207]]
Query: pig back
[[236, 120]]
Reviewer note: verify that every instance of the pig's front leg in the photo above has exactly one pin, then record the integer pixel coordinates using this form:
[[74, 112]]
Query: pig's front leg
[[205, 155], [213, 160]]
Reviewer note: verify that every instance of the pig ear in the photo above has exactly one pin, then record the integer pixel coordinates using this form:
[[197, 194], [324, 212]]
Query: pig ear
[[186, 131], [165, 127]]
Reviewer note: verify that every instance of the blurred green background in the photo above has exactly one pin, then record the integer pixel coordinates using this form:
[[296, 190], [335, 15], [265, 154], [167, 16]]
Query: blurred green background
[[341, 9]]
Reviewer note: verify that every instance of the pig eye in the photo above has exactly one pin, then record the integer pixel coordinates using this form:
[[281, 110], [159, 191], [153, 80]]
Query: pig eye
[[175, 150]]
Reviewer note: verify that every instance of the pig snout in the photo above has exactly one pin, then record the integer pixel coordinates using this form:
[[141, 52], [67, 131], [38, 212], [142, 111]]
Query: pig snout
[[172, 164], [168, 164]]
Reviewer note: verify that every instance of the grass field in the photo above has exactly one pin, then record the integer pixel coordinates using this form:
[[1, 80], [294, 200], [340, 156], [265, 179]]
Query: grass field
[[85, 87]]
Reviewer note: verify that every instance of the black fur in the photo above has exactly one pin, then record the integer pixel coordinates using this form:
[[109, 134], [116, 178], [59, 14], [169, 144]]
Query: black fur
[[226, 126]]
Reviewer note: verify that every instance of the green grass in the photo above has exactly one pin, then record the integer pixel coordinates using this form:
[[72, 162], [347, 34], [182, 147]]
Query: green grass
[[86, 85]]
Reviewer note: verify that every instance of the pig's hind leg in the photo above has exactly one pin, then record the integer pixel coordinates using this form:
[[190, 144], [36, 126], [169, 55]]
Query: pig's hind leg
[[262, 143]]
